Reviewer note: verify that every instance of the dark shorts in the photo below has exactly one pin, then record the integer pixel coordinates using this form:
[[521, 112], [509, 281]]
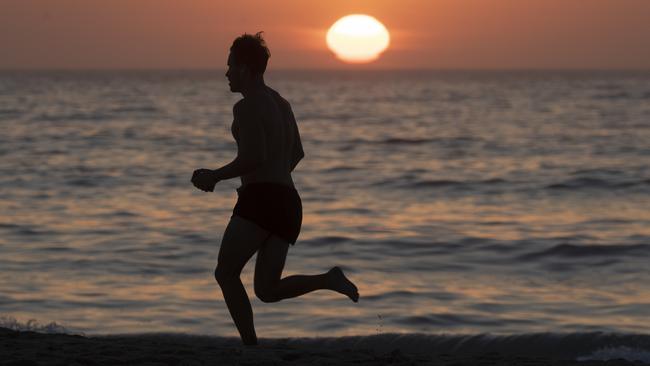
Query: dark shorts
[[273, 206]]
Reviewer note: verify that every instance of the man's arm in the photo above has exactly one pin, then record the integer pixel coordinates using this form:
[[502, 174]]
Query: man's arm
[[235, 168], [251, 146]]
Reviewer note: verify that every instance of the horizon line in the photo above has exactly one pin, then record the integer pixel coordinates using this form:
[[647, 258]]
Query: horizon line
[[324, 69]]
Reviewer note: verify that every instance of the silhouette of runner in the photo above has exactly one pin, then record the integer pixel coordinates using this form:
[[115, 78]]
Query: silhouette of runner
[[268, 213]]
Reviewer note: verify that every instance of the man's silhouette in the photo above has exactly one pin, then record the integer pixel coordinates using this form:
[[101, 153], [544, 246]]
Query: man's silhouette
[[268, 213]]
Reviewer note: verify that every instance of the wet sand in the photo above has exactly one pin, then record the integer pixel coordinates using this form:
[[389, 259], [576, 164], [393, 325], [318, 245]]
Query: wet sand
[[30, 348]]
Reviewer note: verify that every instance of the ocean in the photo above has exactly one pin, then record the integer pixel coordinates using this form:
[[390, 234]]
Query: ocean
[[459, 202]]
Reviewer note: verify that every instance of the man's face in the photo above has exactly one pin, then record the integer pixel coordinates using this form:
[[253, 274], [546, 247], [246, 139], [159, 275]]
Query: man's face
[[236, 74]]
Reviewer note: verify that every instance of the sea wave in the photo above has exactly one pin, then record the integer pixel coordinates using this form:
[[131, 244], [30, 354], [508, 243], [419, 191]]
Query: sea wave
[[410, 181], [33, 325], [597, 183], [579, 346], [443, 141], [616, 353], [570, 250], [570, 345], [68, 117]]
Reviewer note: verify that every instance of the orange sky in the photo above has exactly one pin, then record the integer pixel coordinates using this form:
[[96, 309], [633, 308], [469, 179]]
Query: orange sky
[[456, 34]]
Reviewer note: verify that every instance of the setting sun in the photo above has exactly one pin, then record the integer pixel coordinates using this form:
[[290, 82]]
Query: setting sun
[[357, 38]]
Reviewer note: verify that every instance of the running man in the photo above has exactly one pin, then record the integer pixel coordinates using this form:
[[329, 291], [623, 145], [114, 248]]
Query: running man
[[268, 214]]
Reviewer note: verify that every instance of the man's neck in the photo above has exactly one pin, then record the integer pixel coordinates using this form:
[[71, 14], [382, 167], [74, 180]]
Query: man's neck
[[255, 87]]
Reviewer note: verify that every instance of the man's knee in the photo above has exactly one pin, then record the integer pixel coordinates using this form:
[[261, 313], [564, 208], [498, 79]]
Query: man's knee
[[265, 294]]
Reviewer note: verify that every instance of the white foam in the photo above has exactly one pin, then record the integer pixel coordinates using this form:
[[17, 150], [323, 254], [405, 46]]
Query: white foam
[[614, 353], [32, 325]]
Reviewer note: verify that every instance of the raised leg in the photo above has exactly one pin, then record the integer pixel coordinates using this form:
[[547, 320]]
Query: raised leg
[[270, 287]]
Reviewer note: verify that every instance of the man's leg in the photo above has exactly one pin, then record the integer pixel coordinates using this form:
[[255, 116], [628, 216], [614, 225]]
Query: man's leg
[[269, 287], [241, 240]]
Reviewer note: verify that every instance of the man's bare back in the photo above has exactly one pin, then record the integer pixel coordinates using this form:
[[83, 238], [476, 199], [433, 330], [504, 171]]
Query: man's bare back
[[283, 147]]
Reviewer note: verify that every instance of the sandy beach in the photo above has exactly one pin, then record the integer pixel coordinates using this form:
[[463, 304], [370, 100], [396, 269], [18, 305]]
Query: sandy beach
[[30, 349]]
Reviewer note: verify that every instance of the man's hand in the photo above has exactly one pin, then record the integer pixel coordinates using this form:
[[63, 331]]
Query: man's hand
[[204, 180]]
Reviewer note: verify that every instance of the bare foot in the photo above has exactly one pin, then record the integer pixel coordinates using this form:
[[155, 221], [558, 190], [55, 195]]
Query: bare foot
[[341, 284]]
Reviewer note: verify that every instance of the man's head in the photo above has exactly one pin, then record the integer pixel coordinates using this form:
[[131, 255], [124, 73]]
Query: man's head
[[247, 60]]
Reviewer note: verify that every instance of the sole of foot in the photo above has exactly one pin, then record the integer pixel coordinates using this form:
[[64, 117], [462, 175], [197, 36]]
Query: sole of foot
[[342, 284]]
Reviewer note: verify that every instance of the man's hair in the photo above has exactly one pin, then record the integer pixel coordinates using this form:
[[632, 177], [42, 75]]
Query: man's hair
[[251, 50]]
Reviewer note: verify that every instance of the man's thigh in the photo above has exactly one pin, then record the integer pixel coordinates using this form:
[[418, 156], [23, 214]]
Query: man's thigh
[[270, 262], [241, 239]]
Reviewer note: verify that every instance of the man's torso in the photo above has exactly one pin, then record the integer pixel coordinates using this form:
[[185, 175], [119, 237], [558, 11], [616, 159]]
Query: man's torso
[[280, 135]]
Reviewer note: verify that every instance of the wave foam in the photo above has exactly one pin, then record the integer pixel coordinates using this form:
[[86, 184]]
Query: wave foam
[[579, 346], [33, 326], [616, 353]]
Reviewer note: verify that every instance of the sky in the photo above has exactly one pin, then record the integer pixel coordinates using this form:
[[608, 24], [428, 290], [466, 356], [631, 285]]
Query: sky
[[436, 34]]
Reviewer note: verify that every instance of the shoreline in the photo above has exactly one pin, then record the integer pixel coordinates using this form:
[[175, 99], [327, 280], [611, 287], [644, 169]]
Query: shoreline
[[28, 348]]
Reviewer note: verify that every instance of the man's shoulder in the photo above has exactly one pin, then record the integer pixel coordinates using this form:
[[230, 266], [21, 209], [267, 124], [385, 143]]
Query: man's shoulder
[[279, 97], [244, 106], [256, 103], [251, 101]]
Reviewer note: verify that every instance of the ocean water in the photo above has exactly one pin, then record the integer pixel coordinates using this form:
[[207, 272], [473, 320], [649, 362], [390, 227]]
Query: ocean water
[[458, 202]]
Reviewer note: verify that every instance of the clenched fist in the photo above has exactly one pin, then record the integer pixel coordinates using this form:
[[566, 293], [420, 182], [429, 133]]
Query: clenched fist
[[204, 180]]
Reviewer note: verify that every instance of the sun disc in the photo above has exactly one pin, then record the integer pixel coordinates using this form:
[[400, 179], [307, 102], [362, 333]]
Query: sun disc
[[357, 38]]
